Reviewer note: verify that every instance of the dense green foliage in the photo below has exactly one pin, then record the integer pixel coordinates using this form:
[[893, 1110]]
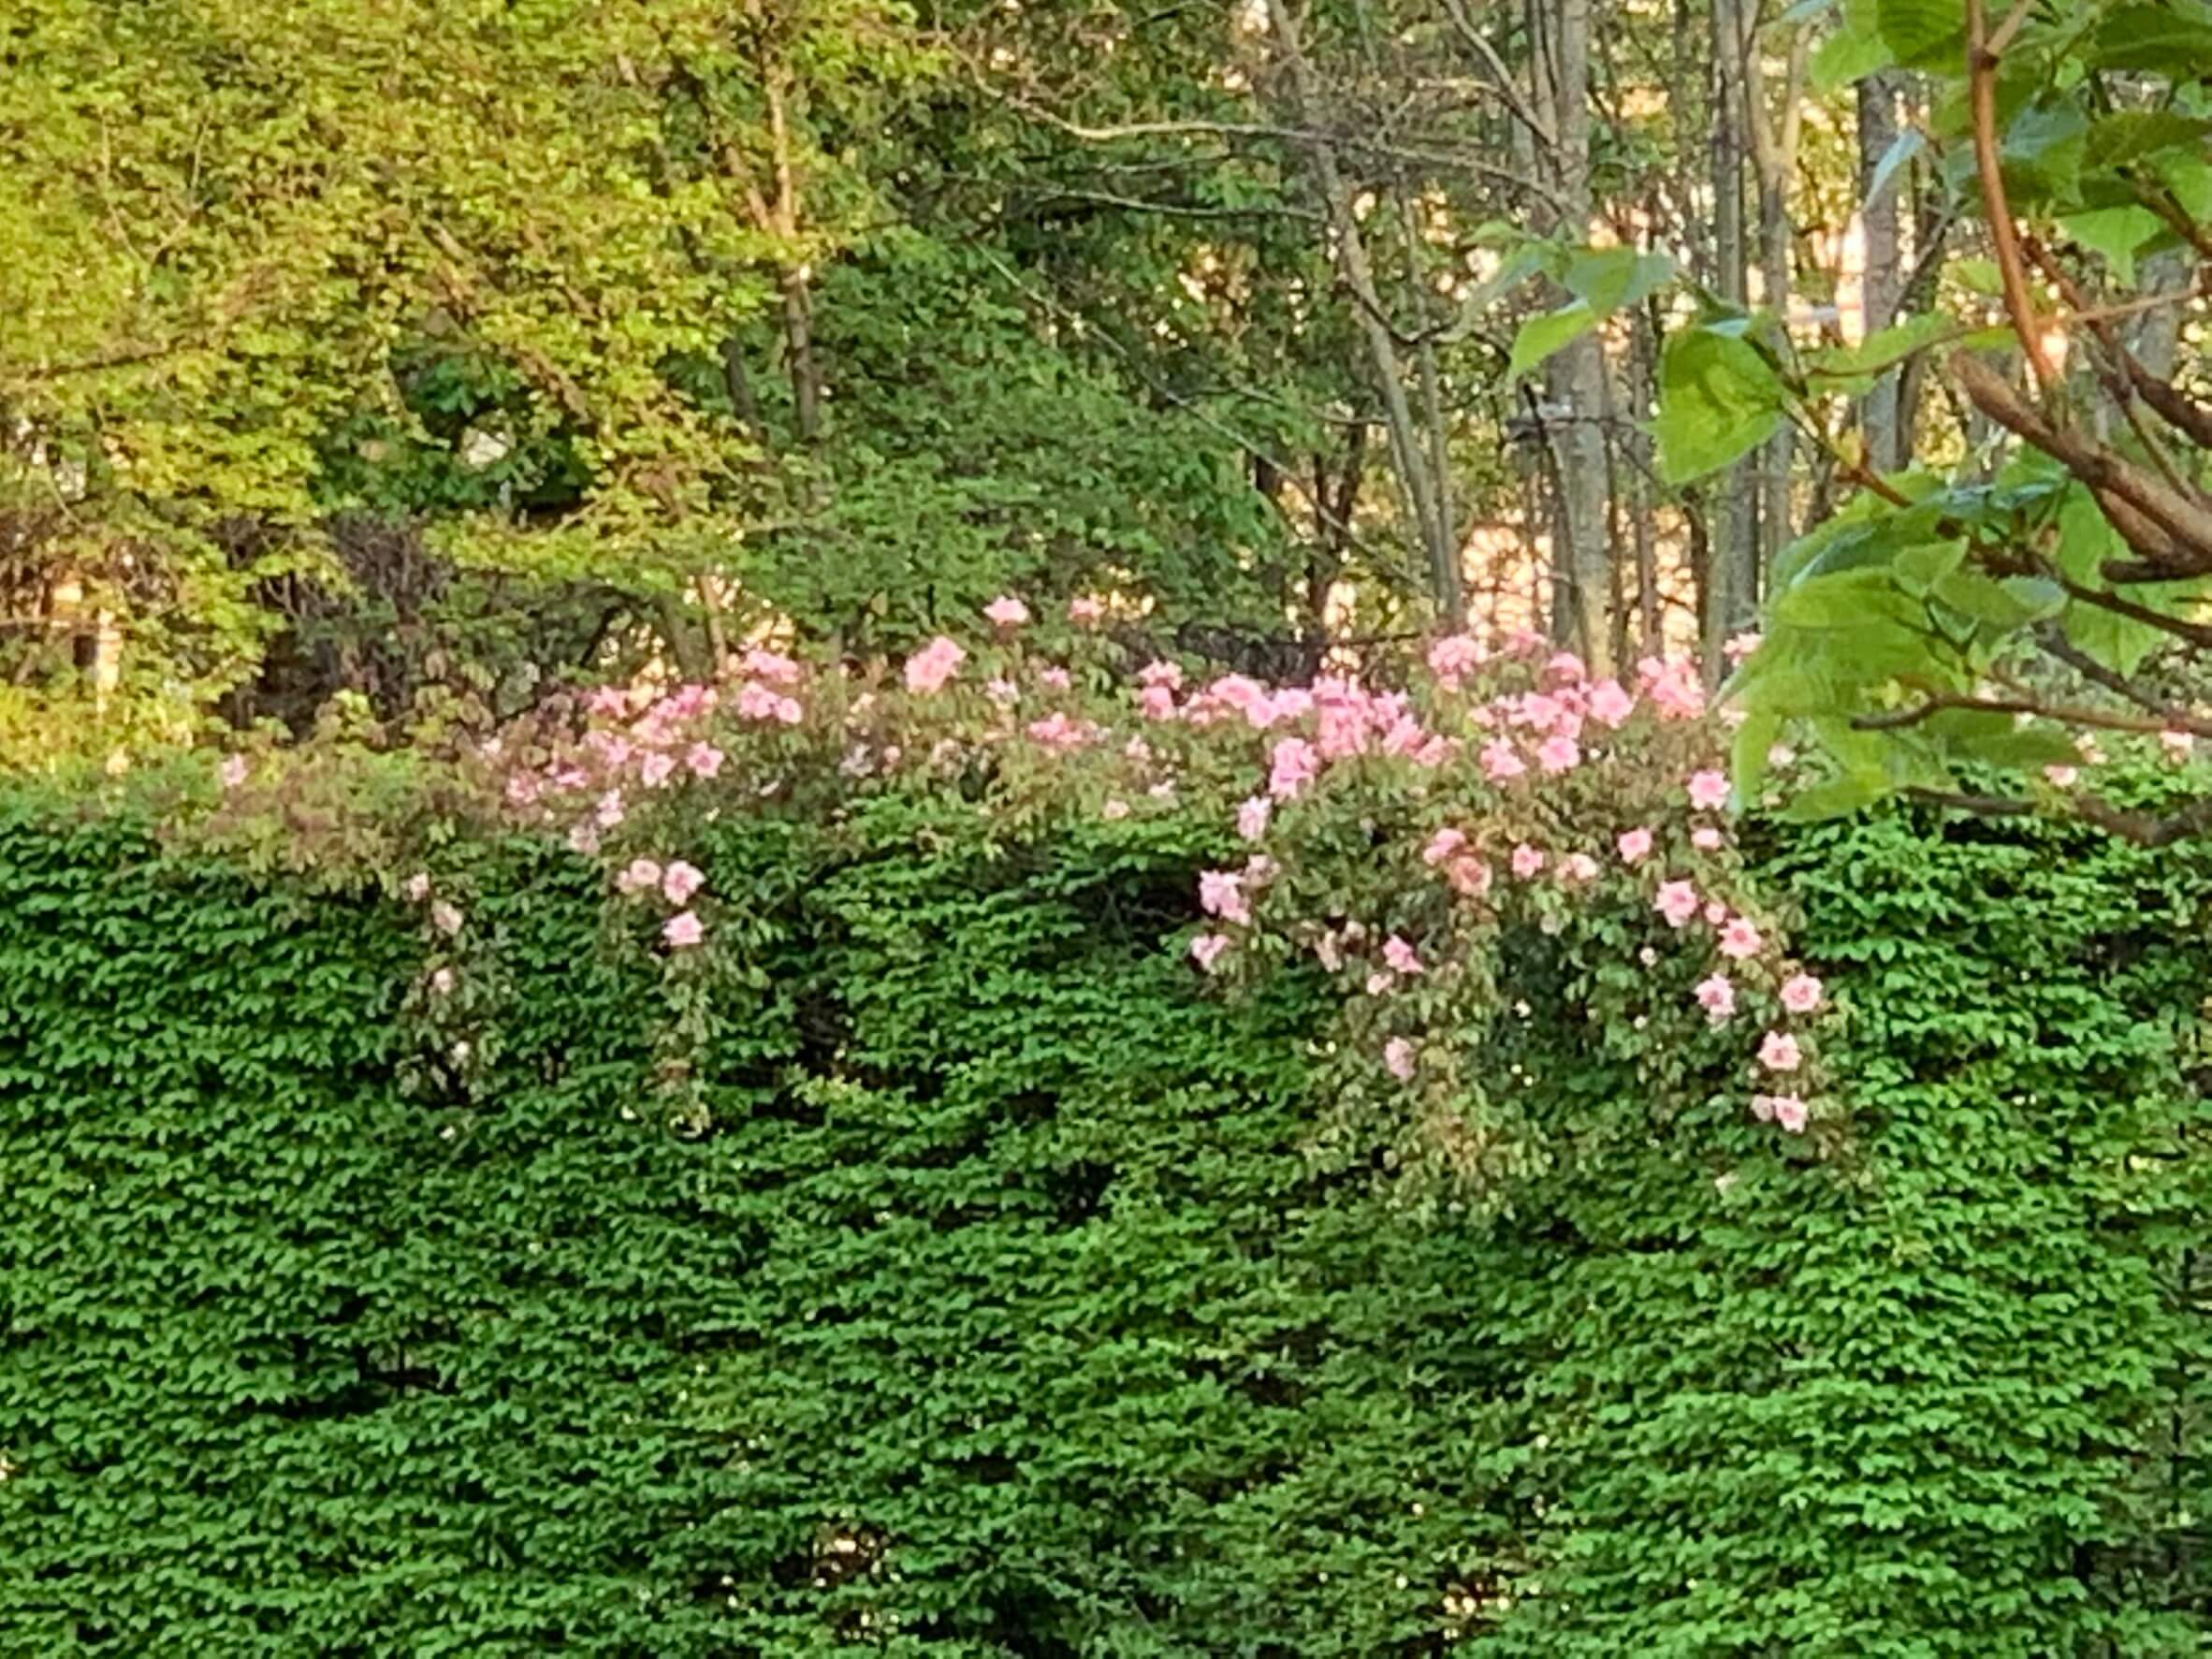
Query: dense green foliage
[[1003, 1311]]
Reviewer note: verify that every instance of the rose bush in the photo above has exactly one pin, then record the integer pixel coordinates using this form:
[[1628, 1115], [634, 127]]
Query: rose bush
[[1405, 827]]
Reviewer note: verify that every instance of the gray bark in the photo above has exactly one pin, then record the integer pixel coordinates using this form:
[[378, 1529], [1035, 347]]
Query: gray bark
[[1731, 566], [1886, 441], [1575, 379]]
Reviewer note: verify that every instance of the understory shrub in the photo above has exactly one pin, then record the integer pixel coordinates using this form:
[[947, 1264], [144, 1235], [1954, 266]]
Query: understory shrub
[[1017, 1294]]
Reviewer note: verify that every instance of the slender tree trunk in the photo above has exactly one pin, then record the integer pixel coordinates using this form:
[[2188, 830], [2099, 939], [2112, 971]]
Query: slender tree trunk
[[1884, 263], [1773, 132], [1406, 449], [1731, 563], [1644, 389], [1575, 379], [798, 301]]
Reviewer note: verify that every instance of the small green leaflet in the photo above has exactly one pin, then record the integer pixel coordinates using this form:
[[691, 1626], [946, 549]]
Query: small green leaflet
[[1548, 332], [1717, 400]]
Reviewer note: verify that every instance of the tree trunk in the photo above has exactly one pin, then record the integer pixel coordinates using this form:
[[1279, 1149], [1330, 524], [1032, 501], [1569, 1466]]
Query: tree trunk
[[1731, 565], [1407, 448], [1772, 133], [1882, 290], [1575, 379]]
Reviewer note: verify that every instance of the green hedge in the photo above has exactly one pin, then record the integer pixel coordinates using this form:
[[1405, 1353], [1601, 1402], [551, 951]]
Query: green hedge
[[1003, 1312]]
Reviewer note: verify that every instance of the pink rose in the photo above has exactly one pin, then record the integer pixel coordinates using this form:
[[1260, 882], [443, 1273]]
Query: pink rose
[[1402, 957], [683, 930], [1717, 996], [1709, 790], [1159, 672], [1470, 876], [656, 769], [704, 759], [680, 881], [1636, 846], [1609, 703], [1005, 611], [1706, 838], [1789, 1111], [2061, 777], [1527, 861], [1500, 763], [2176, 745], [1800, 993], [1292, 765], [232, 772], [772, 666], [1056, 679], [1677, 901], [1443, 845], [1113, 811], [1084, 609], [1559, 753], [1222, 894], [642, 875], [1739, 939], [1779, 1052], [928, 669], [418, 887], [1252, 818], [1577, 867], [442, 982], [445, 919], [1207, 949], [1398, 1058], [1451, 657]]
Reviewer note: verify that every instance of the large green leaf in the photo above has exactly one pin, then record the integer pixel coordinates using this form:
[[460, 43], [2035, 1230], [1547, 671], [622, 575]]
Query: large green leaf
[[1925, 34], [2116, 233], [2173, 39], [1606, 279], [1854, 49], [2132, 134], [1549, 332], [1718, 398], [1863, 364]]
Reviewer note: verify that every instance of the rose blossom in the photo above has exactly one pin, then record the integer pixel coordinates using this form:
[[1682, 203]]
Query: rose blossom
[[1800, 993], [928, 669], [1739, 939], [1717, 996], [1677, 901]]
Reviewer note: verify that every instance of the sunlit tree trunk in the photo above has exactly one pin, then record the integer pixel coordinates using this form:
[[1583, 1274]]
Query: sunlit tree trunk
[[1884, 262], [1731, 564], [1575, 379]]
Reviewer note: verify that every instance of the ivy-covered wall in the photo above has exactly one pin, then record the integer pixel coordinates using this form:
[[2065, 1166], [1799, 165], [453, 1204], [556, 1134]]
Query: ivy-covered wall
[[1003, 1310]]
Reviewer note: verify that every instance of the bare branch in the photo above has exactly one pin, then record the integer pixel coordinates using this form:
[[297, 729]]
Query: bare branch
[[1982, 54]]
